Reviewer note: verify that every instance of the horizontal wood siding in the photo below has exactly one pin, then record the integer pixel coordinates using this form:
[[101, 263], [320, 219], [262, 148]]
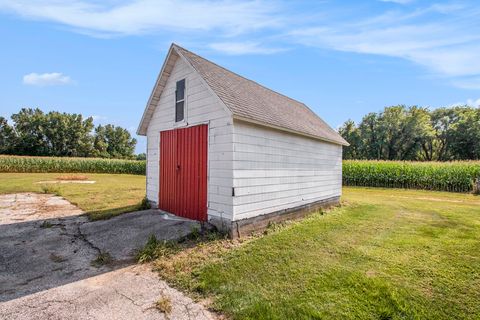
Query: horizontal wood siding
[[275, 170], [202, 107]]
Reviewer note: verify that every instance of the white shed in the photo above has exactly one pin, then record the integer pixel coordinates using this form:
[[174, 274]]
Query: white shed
[[227, 150]]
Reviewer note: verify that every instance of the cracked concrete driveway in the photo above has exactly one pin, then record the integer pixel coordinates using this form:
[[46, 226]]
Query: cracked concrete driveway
[[127, 293], [46, 251]]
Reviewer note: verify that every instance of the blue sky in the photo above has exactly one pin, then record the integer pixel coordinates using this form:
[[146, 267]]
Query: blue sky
[[342, 58]]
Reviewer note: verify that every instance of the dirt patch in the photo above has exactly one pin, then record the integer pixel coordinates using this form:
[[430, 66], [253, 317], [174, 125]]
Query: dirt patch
[[66, 181], [72, 177], [430, 199], [23, 207]]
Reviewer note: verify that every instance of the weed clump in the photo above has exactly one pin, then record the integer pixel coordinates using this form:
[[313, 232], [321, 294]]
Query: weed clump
[[164, 304], [154, 249], [103, 258], [46, 224], [50, 189], [145, 204], [476, 186], [56, 258]]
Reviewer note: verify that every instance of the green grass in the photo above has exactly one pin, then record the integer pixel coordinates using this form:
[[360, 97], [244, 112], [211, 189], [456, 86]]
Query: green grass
[[385, 254], [112, 194], [458, 176]]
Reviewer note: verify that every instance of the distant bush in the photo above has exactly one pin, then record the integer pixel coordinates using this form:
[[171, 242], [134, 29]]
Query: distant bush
[[61, 165], [141, 156], [441, 176]]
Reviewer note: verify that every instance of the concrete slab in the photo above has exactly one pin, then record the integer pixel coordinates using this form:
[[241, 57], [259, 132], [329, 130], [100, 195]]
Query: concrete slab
[[34, 258], [127, 293], [21, 207], [46, 251], [123, 235]]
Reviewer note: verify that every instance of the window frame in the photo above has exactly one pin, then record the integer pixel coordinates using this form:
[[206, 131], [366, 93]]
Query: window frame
[[184, 100]]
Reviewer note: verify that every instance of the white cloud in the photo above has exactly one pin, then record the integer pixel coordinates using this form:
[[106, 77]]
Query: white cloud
[[46, 79], [443, 38], [471, 83], [473, 103], [448, 46], [398, 1], [141, 16], [470, 102], [239, 48], [98, 117]]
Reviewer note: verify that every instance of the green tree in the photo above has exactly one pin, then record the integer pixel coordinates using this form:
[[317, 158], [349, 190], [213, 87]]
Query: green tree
[[437, 146], [7, 137], [465, 140], [69, 134], [141, 156], [396, 133], [350, 133], [115, 142], [391, 130], [456, 134], [37, 133], [415, 129], [30, 126], [371, 140], [100, 144]]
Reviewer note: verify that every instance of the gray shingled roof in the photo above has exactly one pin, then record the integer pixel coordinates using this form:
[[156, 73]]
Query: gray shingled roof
[[249, 100]]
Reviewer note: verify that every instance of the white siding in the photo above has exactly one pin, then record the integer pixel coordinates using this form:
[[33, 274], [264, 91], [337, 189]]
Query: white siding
[[201, 107], [275, 170]]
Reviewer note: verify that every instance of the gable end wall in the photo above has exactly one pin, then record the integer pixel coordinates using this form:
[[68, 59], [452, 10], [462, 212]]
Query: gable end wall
[[201, 107]]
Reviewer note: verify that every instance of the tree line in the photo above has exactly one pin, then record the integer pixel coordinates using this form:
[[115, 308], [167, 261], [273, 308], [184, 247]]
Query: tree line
[[396, 133], [35, 133], [415, 133]]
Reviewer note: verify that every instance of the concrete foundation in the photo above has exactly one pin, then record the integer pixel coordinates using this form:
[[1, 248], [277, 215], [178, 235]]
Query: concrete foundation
[[244, 227]]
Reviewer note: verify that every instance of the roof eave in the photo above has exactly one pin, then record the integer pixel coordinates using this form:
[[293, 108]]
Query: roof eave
[[245, 119]]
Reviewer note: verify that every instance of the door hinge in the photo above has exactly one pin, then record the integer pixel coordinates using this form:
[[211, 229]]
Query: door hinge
[[233, 192]]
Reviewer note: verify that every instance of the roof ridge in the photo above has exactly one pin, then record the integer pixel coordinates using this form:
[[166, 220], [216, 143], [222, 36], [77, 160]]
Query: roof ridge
[[243, 77], [294, 115]]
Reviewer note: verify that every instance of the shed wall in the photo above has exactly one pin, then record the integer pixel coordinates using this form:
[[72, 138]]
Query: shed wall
[[275, 170], [202, 107]]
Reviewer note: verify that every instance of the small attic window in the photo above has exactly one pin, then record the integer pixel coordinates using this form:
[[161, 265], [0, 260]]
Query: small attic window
[[180, 101]]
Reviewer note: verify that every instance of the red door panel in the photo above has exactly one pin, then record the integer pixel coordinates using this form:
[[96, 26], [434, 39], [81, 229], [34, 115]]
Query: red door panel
[[183, 172]]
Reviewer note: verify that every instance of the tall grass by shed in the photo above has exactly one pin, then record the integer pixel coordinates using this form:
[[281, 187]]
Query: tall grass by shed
[[72, 165], [441, 176]]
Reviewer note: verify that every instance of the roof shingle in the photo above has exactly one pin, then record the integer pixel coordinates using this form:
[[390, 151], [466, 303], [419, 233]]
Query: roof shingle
[[250, 100]]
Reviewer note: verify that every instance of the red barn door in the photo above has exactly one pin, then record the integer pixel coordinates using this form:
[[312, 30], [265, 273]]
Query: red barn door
[[183, 172]]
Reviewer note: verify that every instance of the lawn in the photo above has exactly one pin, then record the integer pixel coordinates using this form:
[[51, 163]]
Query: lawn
[[112, 194], [385, 254]]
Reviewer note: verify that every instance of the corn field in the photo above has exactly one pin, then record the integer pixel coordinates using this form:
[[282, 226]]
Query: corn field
[[72, 165], [441, 176]]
